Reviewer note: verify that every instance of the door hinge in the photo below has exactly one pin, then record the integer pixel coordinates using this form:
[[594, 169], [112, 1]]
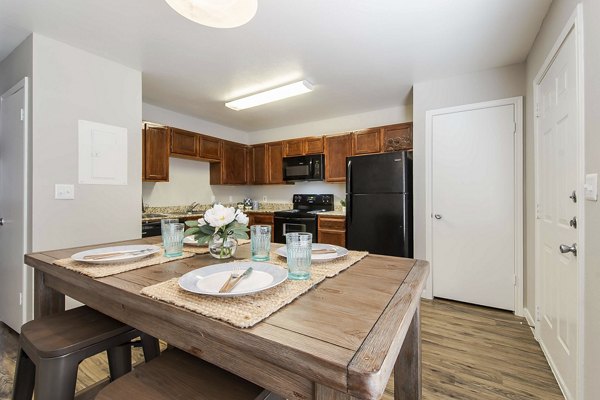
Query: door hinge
[[538, 316], [22, 114]]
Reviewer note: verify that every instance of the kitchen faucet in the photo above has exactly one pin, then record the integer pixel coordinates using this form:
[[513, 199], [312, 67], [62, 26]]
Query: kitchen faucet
[[191, 207]]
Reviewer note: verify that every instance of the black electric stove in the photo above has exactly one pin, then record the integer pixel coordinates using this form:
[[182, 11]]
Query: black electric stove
[[303, 217]]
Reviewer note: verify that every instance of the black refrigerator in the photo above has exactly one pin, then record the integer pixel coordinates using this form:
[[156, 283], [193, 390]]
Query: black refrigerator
[[379, 217]]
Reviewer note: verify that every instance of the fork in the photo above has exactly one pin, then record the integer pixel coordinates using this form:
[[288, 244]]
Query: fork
[[235, 273]]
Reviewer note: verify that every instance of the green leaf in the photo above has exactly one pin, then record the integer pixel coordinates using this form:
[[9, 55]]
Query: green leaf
[[191, 223], [191, 231], [207, 230]]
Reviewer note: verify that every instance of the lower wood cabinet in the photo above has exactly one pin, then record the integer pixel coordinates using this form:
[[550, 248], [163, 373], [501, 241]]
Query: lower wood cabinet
[[332, 230], [155, 153], [262, 219]]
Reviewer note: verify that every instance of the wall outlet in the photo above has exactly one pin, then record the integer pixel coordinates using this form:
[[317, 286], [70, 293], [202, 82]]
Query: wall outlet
[[64, 191], [264, 198]]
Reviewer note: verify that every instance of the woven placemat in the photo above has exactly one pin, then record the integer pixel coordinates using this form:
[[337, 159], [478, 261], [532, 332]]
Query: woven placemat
[[328, 268], [102, 270], [242, 311], [246, 311], [191, 248]]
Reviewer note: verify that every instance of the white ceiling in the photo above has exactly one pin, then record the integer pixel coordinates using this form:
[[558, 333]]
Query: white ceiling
[[361, 55]]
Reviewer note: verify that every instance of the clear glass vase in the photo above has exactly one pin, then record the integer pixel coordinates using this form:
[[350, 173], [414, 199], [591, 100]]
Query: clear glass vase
[[220, 248]]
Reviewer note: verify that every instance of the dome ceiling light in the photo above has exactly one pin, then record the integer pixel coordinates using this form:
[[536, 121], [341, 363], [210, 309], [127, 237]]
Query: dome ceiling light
[[216, 13]]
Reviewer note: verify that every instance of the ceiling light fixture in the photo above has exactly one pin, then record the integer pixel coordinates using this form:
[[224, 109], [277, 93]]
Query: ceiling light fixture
[[280, 93], [216, 13]]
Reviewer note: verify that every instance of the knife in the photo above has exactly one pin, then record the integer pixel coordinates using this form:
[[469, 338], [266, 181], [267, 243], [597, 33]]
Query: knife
[[115, 254], [235, 281]]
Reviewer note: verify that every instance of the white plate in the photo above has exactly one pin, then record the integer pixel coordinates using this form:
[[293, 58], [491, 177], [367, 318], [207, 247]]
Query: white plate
[[208, 280], [339, 252], [120, 258], [192, 241]]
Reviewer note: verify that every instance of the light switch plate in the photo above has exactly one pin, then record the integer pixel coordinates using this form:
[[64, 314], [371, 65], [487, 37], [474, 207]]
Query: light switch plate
[[590, 189], [64, 191], [264, 198]]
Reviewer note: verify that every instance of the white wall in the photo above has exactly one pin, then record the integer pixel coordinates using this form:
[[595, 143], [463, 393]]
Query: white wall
[[477, 87], [70, 85], [345, 123], [190, 180]]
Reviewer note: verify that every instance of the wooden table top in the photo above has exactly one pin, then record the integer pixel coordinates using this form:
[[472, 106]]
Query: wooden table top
[[344, 334]]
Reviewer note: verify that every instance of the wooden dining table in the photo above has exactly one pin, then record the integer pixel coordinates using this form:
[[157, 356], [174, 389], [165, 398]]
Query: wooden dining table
[[341, 340]]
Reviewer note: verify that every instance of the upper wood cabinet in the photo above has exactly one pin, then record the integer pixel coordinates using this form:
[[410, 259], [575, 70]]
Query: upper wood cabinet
[[313, 145], [397, 137], [366, 141], [337, 148], [275, 162], [259, 175], [184, 143], [210, 148], [294, 147], [155, 153], [232, 170]]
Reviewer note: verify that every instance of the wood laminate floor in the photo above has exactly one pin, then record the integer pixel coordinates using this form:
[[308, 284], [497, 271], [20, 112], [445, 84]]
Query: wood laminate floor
[[469, 353]]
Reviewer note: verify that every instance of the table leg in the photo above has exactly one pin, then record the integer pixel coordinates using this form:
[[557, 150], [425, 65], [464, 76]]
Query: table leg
[[46, 300], [407, 371]]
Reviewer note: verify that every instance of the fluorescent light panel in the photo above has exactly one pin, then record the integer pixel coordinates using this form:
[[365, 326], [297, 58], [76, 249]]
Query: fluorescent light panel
[[280, 93]]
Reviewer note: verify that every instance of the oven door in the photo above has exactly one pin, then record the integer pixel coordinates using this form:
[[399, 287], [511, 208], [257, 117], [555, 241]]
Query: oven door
[[285, 225]]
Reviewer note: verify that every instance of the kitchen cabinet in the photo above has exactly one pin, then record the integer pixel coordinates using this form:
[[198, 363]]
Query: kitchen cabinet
[[260, 167], [209, 148], [397, 137], [275, 162], [184, 143], [313, 145], [332, 230], [155, 153], [263, 219], [366, 141], [232, 170], [337, 148], [294, 147]]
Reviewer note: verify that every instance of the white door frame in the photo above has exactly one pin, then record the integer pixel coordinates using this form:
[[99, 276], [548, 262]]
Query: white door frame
[[575, 24], [27, 289], [517, 102]]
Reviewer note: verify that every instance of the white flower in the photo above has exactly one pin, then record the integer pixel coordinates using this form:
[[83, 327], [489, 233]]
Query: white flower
[[219, 216], [201, 222], [242, 218]]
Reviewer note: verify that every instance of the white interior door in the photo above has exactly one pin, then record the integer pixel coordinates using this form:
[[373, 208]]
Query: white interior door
[[473, 204], [557, 214], [13, 206]]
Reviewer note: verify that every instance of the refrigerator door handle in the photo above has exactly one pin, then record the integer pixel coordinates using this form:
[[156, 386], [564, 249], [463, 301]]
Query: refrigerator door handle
[[349, 211], [349, 177]]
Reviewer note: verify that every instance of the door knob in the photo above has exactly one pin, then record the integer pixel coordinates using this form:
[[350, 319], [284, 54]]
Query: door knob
[[1, 221], [437, 216], [569, 249], [573, 196], [573, 222]]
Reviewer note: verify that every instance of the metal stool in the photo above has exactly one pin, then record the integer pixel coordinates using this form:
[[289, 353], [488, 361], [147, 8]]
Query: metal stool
[[179, 375], [51, 349]]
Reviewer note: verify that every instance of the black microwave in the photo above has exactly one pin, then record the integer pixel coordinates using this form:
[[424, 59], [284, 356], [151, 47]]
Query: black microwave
[[304, 168]]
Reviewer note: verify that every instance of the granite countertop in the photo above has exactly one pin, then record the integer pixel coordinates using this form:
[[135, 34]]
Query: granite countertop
[[179, 211], [335, 213]]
